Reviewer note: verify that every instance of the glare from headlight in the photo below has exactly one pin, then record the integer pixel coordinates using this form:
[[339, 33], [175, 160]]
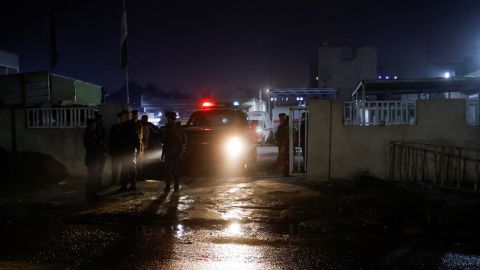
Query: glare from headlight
[[234, 147]]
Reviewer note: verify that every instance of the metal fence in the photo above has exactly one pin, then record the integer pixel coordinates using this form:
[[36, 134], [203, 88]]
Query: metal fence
[[58, 117], [373, 113], [447, 166]]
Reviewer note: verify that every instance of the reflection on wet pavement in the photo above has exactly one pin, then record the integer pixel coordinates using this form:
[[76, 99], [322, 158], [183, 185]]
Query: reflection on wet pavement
[[232, 223], [234, 229]]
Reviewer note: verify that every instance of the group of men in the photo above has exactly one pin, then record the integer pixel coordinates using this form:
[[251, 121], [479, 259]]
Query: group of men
[[128, 141]]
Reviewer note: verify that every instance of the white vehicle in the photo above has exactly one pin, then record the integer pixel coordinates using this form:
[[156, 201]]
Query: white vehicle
[[261, 123]]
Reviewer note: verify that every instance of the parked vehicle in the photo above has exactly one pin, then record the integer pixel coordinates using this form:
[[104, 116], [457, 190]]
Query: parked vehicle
[[220, 138], [261, 123]]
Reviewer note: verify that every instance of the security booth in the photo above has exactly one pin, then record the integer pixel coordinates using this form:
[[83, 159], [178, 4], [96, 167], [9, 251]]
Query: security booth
[[294, 103]]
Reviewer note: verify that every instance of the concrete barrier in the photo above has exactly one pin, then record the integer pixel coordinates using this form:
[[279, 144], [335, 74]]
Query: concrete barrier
[[65, 145]]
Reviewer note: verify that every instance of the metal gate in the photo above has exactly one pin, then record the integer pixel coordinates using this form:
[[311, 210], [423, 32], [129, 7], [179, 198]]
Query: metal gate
[[442, 165], [298, 145]]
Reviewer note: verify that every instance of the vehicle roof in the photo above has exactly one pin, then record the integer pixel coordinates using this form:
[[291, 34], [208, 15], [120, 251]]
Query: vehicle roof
[[419, 85], [219, 109], [215, 112]]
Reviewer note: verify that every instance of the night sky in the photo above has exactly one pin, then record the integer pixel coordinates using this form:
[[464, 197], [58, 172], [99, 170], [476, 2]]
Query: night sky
[[198, 46]]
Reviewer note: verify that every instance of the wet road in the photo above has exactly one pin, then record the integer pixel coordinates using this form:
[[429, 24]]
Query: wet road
[[220, 222]]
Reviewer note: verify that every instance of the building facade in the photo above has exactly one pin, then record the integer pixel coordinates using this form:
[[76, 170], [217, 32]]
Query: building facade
[[341, 68], [8, 63]]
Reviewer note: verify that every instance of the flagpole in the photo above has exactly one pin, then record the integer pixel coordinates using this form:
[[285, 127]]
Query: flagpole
[[124, 47], [128, 92], [53, 40]]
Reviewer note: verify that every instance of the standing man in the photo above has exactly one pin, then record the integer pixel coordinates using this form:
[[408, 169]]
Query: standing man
[[303, 134], [94, 152], [101, 134], [174, 140], [282, 138], [114, 146], [138, 126], [128, 143], [144, 145]]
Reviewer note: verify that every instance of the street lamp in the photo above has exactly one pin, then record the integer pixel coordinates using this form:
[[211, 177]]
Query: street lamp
[[268, 100]]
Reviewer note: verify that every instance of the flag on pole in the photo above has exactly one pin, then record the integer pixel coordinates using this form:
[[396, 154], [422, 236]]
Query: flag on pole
[[53, 41], [123, 38]]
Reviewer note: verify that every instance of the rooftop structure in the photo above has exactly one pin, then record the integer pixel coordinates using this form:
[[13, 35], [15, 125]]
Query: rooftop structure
[[8, 63], [465, 85]]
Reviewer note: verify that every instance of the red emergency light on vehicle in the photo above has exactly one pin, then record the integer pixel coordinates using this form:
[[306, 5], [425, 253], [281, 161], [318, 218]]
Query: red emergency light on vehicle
[[207, 104]]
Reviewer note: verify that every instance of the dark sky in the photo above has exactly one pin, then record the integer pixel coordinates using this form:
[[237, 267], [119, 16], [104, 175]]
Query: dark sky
[[229, 45]]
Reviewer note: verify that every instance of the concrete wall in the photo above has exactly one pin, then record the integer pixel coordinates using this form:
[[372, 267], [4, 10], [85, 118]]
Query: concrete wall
[[63, 144], [344, 74], [355, 150], [5, 129]]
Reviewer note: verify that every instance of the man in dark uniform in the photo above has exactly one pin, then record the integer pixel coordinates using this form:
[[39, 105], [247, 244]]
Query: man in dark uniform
[[114, 146], [128, 143], [94, 153], [174, 140], [303, 134], [101, 135], [282, 138], [138, 126], [145, 131]]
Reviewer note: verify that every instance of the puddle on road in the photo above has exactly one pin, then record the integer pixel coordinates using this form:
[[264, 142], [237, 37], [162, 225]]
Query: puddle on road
[[185, 203], [234, 229], [203, 213], [234, 244], [200, 232]]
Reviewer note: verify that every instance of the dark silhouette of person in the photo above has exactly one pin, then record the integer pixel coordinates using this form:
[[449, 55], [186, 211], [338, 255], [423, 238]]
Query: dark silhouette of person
[[145, 135], [101, 135], [128, 143], [174, 140], [303, 133], [114, 146], [282, 138], [138, 125], [94, 152]]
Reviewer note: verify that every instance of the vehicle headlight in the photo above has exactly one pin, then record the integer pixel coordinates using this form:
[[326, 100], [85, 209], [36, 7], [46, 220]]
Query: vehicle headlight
[[234, 147]]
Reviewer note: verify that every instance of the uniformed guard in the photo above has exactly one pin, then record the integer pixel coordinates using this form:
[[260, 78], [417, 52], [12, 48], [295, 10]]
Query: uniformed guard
[[94, 152], [145, 131], [174, 140], [128, 143], [101, 135], [282, 138], [138, 125], [114, 145]]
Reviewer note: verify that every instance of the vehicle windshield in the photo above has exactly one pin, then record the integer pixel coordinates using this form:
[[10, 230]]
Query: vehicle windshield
[[215, 118]]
